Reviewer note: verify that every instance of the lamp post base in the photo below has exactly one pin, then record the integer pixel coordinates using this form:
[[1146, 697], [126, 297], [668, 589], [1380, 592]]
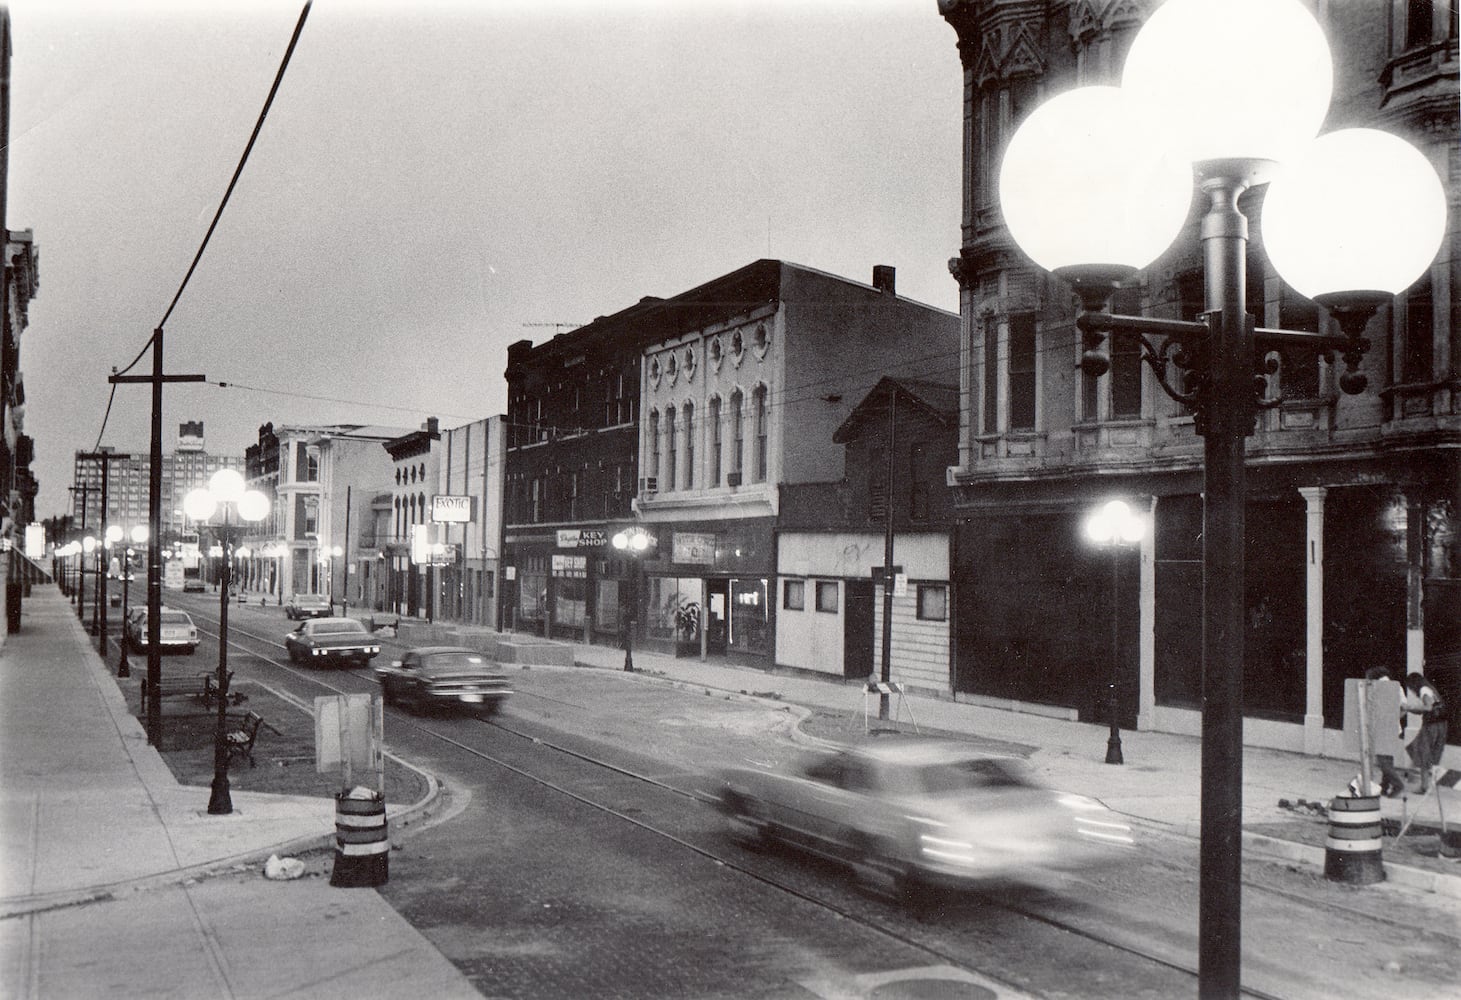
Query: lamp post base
[[219, 802], [1113, 748]]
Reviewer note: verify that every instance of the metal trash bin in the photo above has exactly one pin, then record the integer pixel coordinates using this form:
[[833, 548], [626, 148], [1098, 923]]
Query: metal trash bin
[[1352, 849], [362, 842]]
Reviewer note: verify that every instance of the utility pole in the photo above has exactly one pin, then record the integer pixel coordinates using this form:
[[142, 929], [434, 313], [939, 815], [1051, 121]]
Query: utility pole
[[154, 537], [99, 611], [888, 567], [79, 589], [345, 560]]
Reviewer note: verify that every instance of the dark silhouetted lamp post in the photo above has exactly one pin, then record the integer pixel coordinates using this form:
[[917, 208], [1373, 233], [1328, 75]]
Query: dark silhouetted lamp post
[[633, 542], [225, 492], [88, 546], [1115, 527], [1096, 184], [138, 537]]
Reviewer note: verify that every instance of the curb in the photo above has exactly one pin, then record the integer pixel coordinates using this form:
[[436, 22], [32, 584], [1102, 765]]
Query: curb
[[150, 768]]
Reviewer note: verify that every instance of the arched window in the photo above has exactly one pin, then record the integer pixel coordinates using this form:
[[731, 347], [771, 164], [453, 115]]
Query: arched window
[[715, 440], [651, 471], [759, 397], [738, 429], [689, 446], [670, 450]]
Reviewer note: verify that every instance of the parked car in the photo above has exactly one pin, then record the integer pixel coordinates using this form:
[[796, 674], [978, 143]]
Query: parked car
[[302, 606], [908, 811], [193, 585], [129, 624], [178, 633], [328, 641], [448, 676]]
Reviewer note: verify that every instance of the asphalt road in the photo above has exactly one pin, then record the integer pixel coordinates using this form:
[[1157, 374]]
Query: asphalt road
[[553, 875]]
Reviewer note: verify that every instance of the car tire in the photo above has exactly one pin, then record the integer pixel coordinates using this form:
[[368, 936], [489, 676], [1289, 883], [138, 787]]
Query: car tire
[[879, 876], [747, 824]]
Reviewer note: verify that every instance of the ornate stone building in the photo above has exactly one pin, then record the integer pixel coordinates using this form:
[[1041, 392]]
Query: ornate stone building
[[1353, 500]]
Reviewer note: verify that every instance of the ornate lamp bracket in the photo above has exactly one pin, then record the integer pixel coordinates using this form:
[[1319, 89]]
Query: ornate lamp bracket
[[1183, 345]]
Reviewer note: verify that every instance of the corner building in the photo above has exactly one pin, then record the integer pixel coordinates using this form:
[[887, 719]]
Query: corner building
[[1354, 502], [686, 416]]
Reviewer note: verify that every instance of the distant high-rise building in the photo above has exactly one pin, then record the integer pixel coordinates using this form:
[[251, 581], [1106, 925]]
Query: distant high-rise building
[[187, 467]]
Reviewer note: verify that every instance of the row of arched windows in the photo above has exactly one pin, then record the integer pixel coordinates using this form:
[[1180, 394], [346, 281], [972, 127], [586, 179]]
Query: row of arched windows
[[673, 433], [410, 474], [409, 510]]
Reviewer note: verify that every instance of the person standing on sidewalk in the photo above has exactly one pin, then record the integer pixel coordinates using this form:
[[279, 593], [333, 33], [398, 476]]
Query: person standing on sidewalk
[[1423, 700]]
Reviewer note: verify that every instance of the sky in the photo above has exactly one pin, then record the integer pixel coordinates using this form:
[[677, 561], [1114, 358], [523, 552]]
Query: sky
[[435, 181]]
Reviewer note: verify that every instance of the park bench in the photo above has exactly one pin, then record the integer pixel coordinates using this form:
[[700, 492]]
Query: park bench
[[242, 731], [195, 686], [210, 691]]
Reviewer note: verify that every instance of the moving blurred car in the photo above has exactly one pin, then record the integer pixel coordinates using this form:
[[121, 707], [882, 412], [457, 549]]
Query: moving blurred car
[[177, 628], [905, 812], [328, 641], [193, 585], [302, 606], [444, 675]]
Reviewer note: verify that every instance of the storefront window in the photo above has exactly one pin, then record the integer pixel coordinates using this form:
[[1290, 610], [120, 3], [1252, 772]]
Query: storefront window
[[607, 606], [748, 616], [570, 590], [532, 594], [674, 607], [569, 601]]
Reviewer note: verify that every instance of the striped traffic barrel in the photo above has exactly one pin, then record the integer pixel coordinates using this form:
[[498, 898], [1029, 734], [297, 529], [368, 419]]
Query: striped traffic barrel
[[362, 842], [1352, 849]]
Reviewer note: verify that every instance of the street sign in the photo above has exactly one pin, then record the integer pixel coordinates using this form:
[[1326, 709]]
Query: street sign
[[693, 547], [582, 538], [447, 509]]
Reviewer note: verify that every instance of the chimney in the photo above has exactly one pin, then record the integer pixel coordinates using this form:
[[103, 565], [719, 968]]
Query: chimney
[[885, 279], [431, 425]]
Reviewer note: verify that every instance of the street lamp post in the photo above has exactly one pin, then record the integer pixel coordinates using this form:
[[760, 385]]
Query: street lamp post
[[1115, 527], [113, 535], [138, 536], [1234, 93], [327, 559], [88, 545], [226, 492], [633, 542]]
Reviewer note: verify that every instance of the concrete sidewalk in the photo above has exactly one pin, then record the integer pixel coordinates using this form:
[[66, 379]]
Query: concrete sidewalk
[[1159, 783], [102, 849]]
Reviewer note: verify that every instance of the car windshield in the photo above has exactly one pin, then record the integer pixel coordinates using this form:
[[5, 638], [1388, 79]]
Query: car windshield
[[336, 626], [308, 599], [174, 618], [442, 662], [954, 776]]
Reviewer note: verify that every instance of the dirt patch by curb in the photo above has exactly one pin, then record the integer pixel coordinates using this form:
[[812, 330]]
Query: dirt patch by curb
[[284, 753]]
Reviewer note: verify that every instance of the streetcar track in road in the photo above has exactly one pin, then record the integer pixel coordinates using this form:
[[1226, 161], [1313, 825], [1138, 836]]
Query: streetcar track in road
[[719, 858]]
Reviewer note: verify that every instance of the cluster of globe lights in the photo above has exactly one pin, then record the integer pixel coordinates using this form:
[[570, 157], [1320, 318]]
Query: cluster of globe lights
[[226, 486], [1098, 181]]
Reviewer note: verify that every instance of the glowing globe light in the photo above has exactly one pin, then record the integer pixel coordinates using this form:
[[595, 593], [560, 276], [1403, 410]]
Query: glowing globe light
[[1230, 79], [199, 504], [253, 505], [1310, 228], [226, 485], [1076, 190], [1115, 522]]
